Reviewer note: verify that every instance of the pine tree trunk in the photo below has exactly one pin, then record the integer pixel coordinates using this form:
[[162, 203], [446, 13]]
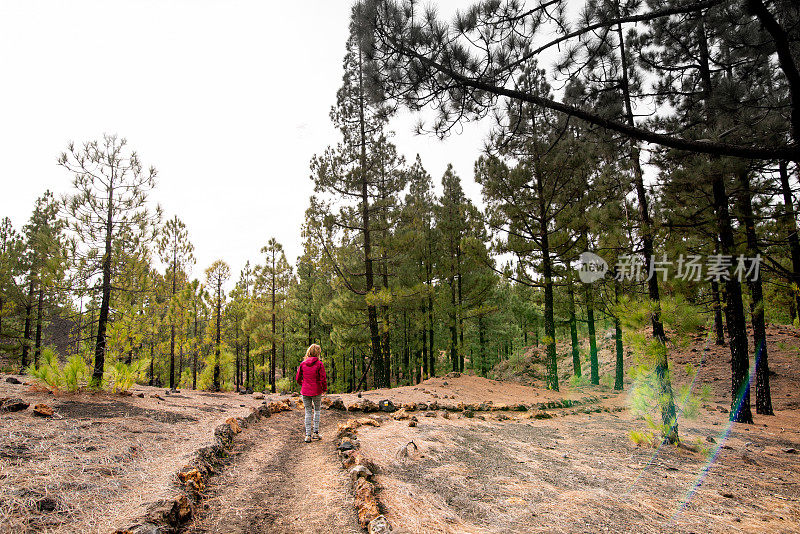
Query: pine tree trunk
[[273, 350], [194, 352], [460, 309], [482, 343], [734, 309], [424, 351], [719, 330], [38, 346], [26, 336], [453, 326], [790, 224], [573, 325], [593, 363], [218, 338], [372, 315], [734, 312], [763, 395], [667, 400], [620, 367], [105, 302], [247, 378]]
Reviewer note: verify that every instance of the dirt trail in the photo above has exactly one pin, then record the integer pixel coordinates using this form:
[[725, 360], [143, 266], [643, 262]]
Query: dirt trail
[[277, 483]]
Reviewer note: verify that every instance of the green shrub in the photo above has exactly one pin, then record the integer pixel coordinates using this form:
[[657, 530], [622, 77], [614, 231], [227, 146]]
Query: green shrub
[[70, 377], [75, 372], [121, 377], [578, 381], [284, 385], [49, 371]]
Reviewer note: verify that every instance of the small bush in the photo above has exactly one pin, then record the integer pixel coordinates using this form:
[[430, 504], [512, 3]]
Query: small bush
[[284, 385], [121, 377], [607, 381], [578, 381], [643, 439], [49, 371]]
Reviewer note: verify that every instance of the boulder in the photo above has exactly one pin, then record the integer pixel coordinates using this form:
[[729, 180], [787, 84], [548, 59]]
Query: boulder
[[359, 471], [400, 415], [369, 406], [13, 405], [365, 502], [348, 444], [12, 380], [453, 374], [43, 410], [234, 424], [422, 406], [336, 404], [258, 396], [409, 406], [433, 405], [387, 406], [379, 525]]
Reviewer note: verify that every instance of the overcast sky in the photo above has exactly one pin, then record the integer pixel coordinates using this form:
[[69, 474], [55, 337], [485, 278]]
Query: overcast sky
[[227, 99]]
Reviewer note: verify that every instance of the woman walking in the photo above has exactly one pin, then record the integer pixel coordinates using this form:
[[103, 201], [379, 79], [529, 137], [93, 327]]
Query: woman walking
[[313, 383]]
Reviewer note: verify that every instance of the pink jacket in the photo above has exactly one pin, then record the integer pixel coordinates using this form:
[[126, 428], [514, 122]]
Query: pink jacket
[[311, 377]]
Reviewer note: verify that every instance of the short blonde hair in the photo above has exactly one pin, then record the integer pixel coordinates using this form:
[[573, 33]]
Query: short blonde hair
[[314, 350]]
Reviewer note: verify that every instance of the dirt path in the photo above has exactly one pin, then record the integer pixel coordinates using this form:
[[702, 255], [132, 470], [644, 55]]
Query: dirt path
[[277, 483]]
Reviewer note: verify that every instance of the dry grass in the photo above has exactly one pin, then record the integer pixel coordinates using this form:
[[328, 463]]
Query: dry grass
[[103, 458]]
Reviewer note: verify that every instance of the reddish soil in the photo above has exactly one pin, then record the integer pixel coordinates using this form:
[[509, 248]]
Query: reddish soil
[[275, 482], [103, 458]]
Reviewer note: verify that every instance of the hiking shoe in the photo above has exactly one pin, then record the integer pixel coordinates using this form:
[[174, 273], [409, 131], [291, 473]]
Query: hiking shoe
[[316, 436], [308, 439]]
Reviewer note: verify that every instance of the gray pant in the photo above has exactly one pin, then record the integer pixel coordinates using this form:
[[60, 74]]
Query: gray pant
[[312, 403]]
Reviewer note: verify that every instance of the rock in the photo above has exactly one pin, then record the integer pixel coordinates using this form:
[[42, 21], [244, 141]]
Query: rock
[[379, 525], [47, 504], [430, 414], [790, 450], [519, 407], [542, 415], [170, 511], [421, 406], [365, 502], [354, 407], [412, 423], [348, 444], [359, 471], [259, 396], [295, 394], [156, 396], [277, 407], [140, 395], [433, 405], [469, 413], [43, 410], [336, 404], [14, 405], [234, 424], [174, 390], [446, 415], [409, 406], [503, 417], [453, 374], [400, 415], [445, 383], [368, 406], [12, 380], [387, 406], [192, 480]]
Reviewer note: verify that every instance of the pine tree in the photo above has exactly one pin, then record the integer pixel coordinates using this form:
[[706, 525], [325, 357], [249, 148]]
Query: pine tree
[[107, 210], [216, 276]]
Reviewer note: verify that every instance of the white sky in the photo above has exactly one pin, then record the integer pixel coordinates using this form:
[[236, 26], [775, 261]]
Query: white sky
[[227, 99]]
